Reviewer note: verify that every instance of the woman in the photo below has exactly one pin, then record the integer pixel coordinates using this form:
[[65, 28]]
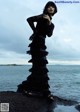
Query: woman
[[37, 82]]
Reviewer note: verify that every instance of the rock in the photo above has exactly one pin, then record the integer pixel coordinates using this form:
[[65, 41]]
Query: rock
[[78, 107], [19, 102]]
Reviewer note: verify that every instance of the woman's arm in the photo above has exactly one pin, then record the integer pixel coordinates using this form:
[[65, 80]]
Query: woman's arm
[[50, 26], [50, 29], [31, 21]]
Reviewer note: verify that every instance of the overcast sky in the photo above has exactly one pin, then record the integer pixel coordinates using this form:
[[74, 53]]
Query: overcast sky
[[63, 46]]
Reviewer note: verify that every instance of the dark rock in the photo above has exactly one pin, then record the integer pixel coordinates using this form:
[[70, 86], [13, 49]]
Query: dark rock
[[78, 107], [22, 103]]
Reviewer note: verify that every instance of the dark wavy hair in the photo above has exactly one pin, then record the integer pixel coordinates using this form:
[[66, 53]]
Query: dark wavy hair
[[50, 3]]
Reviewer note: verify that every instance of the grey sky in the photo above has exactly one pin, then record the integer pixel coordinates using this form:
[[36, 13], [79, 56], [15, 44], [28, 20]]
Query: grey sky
[[63, 46]]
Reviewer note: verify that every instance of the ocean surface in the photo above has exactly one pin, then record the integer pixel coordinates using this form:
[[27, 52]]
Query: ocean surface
[[64, 79]]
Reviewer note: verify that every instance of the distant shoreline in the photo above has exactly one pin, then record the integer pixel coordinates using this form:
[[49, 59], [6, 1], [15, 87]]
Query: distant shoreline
[[11, 65], [31, 64]]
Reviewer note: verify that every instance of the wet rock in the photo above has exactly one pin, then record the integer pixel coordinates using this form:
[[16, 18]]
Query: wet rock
[[78, 107], [19, 102]]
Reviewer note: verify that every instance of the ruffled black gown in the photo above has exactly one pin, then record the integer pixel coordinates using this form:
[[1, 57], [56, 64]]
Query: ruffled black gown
[[37, 81]]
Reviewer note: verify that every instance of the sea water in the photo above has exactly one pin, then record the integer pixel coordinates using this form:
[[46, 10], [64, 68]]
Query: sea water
[[64, 79]]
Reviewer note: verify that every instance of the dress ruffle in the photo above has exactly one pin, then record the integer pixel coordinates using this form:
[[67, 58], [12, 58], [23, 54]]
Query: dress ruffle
[[38, 61], [41, 69], [39, 77], [38, 80], [38, 53]]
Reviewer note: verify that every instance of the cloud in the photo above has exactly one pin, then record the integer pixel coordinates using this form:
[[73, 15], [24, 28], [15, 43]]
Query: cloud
[[15, 31]]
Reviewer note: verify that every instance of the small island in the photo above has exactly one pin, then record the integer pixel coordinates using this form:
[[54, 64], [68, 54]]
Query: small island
[[11, 65]]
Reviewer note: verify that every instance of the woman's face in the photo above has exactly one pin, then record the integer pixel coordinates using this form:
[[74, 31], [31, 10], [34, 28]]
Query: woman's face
[[50, 9]]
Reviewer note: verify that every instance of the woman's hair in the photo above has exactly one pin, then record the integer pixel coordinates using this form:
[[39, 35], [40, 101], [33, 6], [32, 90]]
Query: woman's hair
[[50, 3]]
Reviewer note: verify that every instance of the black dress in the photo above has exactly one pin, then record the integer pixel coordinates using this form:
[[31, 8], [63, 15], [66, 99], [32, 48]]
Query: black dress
[[37, 81]]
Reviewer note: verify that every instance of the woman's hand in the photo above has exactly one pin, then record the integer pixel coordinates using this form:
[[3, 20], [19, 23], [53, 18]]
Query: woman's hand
[[48, 18]]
